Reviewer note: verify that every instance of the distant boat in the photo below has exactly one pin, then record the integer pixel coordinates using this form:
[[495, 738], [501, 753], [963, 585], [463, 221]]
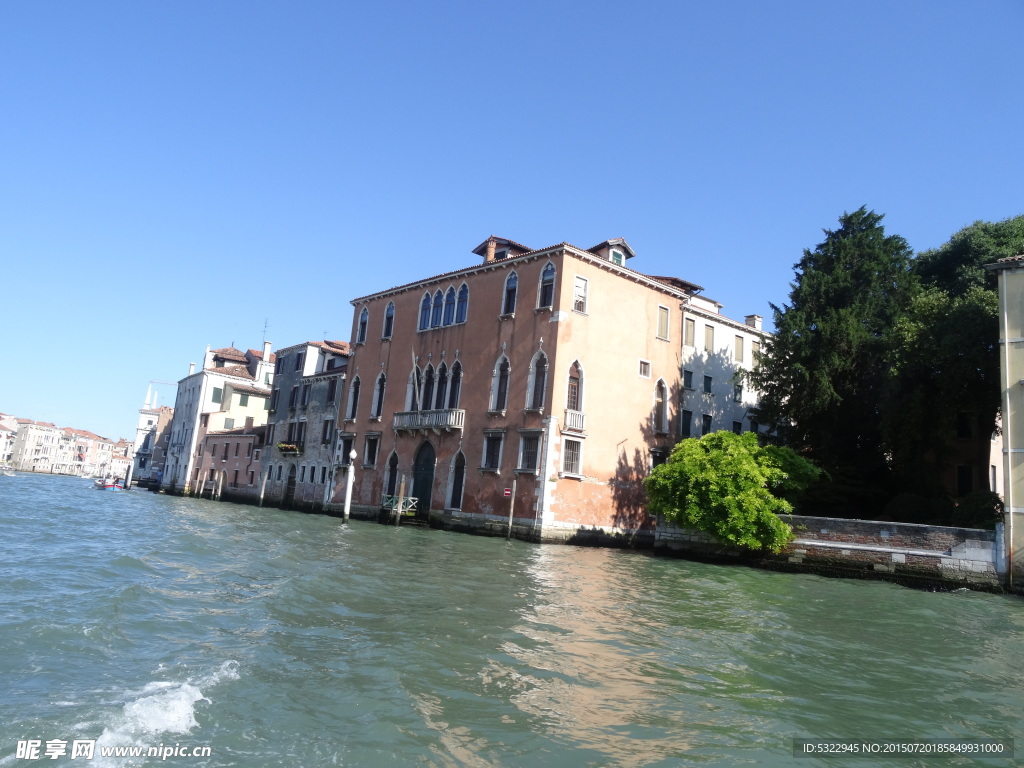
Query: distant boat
[[6, 470], [108, 484]]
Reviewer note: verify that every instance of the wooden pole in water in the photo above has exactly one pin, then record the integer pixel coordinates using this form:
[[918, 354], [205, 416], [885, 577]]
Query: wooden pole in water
[[401, 500], [511, 506]]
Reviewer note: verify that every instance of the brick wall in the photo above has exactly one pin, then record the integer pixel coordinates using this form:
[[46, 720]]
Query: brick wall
[[904, 552]]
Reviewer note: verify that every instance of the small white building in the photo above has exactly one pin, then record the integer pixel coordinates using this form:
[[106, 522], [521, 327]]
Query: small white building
[[200, 396]]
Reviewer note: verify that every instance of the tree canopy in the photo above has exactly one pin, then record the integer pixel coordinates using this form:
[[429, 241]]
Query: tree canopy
[[821, 376], [731, 487], [879, 359]]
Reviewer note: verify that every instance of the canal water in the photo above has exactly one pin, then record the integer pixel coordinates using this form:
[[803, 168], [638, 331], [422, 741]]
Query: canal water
[[279, 638]]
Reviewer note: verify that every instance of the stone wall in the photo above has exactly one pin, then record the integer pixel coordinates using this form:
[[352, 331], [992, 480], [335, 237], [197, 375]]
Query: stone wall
[[914, 554]]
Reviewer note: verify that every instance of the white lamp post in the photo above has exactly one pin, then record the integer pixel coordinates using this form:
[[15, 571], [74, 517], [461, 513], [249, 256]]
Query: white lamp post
[[350, 478]]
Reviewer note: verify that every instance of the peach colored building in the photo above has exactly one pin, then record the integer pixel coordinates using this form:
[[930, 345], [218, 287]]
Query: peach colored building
[[545, 383]]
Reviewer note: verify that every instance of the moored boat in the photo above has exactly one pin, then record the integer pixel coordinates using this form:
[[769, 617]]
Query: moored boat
[[108, 484]]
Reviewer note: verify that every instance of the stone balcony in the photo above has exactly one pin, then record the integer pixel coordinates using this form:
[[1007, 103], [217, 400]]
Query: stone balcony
[[575, 421], [438, 421]]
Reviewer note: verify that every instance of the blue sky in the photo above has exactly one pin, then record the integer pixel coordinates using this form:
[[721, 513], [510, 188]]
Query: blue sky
[[176, 174]]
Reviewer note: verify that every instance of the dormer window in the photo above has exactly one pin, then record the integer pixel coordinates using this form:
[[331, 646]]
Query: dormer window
[[618, 258], [502, 254]]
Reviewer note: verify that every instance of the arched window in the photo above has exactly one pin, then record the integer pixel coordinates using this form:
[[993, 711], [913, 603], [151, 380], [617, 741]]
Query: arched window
[[353, 398], [540, 381], [660, 407], [364, 318], [449, 306], [425, 312], [435, 318], [499, 397], [458, 480], [547, 286], [455, 385], [389, 321], [511, 284], [442, 377], [378, 400], [428, 388], [574, 395], [462, 305]]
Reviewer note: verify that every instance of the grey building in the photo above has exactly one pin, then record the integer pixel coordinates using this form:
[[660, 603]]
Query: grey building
[[299, 464]]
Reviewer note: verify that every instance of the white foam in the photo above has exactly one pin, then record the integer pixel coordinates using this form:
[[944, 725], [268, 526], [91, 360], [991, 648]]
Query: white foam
[[161, 707]]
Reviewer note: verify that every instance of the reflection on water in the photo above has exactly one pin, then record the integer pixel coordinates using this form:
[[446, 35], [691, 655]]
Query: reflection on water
[[282, 638]]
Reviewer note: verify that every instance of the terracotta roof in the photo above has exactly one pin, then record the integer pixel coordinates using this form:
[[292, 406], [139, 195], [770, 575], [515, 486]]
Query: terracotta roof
[[677, 282], [234, 370], [230, 353], [338, 347], [423, 281], [242, 389], [1009, 261], [258, 354], [481, 249]]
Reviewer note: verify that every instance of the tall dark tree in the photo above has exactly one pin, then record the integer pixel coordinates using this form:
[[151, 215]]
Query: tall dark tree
[[822, 376], [945, 364]]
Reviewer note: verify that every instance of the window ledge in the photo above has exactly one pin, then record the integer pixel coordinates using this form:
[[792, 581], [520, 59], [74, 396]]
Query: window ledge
[[538, 411], [369, 466], [491, 470], [496, 413], [507, 316], [385, 338], [348, 420], [375, 418], [539, 310], [534, 472], [662, 338], [570, 475]]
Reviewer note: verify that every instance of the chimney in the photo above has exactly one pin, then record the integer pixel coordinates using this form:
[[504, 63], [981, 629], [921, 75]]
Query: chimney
[[149, 394], [266, 352], [248, 424], [191, 368], [754, 321], [491, 244]]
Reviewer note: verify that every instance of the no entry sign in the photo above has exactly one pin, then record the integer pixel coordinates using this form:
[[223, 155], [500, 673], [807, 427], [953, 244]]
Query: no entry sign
[[508, 492]]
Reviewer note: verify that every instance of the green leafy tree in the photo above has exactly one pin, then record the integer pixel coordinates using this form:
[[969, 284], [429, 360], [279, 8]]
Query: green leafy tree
[[945, 373], [731, 487], [823, 374]]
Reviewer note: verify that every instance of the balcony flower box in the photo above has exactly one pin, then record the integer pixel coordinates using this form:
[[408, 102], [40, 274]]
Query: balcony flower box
[[289, 449]]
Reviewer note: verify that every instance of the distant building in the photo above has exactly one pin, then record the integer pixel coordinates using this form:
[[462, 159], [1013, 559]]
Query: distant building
[[226, 381], [309, 386], [35, 446], [152, 434], [541, 382]]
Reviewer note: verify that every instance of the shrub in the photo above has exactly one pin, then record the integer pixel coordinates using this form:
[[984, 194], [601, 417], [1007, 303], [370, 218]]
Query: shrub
[[729, 486]]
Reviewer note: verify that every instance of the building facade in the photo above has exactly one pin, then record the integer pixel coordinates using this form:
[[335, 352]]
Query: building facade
[[309, 383], [152, 434], [229, 463], [202, 398], [1011, 364], [539, 384]]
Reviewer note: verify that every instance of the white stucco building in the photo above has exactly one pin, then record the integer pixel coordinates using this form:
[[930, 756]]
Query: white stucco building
[[201, 396]]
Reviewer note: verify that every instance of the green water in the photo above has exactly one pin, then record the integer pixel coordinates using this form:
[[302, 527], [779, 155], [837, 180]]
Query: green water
[[278, 638]]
